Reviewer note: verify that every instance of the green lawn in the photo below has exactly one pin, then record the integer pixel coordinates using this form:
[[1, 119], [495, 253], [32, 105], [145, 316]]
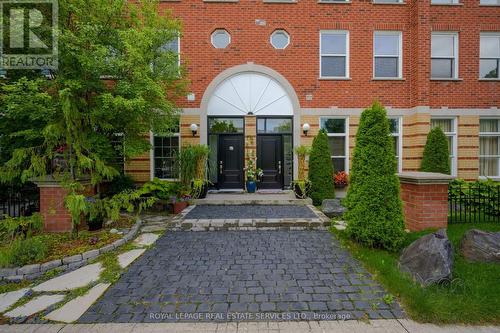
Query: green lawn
[[473, 297]]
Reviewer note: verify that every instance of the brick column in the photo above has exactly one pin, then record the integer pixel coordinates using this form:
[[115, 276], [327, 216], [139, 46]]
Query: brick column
[[425, 199], [56, 218], [250, 138]]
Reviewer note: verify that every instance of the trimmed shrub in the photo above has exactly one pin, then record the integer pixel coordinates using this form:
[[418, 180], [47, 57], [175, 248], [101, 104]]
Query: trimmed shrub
[[374, 217], [436, 154], [321, 170]]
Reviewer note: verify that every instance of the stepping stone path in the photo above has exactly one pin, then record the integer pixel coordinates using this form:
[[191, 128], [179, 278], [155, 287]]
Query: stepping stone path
[[79, 278], [146, 239], [8, 299], [75, 279], [37, 304], [127, 258], [75, 308]]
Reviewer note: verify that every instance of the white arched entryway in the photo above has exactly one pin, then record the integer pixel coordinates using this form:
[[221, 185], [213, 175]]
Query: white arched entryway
[[253, 90]]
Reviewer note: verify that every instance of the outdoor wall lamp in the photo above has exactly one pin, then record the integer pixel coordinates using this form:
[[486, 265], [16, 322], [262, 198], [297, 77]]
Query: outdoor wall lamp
[[305, 128], [194, 129]]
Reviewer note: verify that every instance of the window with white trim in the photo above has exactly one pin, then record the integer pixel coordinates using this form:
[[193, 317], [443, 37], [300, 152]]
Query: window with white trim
[[444, 55], [443, 2], [338, 140], [169, 53], [490, 2], [165, 153], [448, 125], [489, 62], [396, 129], [334, 54], [387, 1], [220, 38], [387, 54], [489, 147]]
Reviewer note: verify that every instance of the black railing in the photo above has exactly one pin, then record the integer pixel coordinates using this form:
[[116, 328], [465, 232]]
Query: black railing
[[17, 202], [473, 202]]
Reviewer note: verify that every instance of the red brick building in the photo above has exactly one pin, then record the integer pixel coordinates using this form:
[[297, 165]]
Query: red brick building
[[263, 71]]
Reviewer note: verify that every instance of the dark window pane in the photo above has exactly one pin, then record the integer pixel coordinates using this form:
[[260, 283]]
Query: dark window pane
[[442, 68], [337, 145], [394, 125], [226, 125], [213, 143], [338, 164], [333, 125], [165, 156], [261, 125], [488, 68], [386, 67], [333, 66]]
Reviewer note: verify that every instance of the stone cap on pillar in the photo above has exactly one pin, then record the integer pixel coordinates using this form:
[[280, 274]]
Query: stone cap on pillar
[[51, 181], [424, 178]]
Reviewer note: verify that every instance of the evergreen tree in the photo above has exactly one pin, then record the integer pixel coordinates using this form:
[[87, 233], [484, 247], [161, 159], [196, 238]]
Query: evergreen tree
[[374, 217], [321, 170], [436, 154]]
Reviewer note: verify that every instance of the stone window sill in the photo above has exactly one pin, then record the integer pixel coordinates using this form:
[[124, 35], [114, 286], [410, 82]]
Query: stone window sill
[[388, 79], [489, 80], [446, 79], [335, 2], [334, 78], [388, 3], [447, 4]]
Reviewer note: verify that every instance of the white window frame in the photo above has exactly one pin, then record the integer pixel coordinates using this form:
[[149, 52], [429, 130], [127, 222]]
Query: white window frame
[[212, 39], [346, 55], [481, 3], [450, 2], [454, 142], [455, 54], [489, 134], [399, 135], [277, 31], [345, 134], [486, 35], [400, 55], [152, 154]]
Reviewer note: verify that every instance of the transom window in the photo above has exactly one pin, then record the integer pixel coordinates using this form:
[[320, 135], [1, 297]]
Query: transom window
[[274, 125], [336, 128], [387, 49], [395, 126], [165, 152], [280, 39], [489, 62], [489, 147], [220, 39], [448, 125], [444, 55], [334, 54]]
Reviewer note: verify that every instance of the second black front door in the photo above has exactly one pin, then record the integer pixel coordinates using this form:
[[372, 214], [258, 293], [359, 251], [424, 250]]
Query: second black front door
[[270, 160], [230, 161]]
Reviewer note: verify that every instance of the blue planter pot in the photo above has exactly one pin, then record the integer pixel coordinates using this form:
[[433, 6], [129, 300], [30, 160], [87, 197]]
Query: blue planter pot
[[251, 186]]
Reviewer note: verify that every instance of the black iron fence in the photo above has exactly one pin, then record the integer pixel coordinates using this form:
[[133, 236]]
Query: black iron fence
[[17, 202], [474, 202]]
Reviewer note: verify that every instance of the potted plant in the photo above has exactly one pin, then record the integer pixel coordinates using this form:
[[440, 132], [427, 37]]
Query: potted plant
[[302, 185], [179, 203], [341, 179], [253, 174], [162, 190], [193, 166]]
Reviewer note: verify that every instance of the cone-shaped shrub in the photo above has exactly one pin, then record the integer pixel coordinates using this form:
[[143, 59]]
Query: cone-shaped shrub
[[374, 217], [436, 153], [321, 170]]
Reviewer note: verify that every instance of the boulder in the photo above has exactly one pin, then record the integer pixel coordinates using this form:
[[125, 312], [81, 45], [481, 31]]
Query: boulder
[[481, 246], [332, 208], [429, 259]]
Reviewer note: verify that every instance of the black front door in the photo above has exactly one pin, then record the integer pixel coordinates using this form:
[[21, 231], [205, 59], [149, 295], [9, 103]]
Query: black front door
[[230, 168], [270, 160]]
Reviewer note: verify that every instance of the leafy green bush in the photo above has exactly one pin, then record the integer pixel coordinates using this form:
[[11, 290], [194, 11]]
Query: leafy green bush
[[374, 215], [162, 189], [119, 184], [321, 170], [436, 154], [12, 227], [27, 251]]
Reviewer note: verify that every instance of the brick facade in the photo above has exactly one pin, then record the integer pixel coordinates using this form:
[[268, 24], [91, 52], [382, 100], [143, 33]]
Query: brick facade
[[415, 98]]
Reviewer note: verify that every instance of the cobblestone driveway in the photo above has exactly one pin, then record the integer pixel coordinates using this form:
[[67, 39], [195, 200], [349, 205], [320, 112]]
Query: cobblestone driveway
[[250, 212], [243, 275]]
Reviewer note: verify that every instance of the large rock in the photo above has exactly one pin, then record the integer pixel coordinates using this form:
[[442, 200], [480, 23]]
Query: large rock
[[429, 259], [332, 208], [482, 246]]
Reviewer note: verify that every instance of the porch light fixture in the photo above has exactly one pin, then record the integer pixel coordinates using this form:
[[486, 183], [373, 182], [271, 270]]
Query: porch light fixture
[[194, 129], [305, 128]]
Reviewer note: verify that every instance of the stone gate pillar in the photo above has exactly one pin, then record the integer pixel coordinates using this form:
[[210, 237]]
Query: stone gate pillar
[[425, 199]]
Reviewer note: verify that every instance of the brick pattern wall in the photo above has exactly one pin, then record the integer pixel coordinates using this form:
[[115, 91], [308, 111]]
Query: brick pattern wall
[[415, 130], [425, 205], [299, 62], [468, 147], [250, 138]]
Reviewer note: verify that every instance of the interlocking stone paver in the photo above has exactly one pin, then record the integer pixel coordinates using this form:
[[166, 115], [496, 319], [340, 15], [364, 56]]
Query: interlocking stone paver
[[37, 304], [248, 211], [72, 280], [9, 298], [241, 271]]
